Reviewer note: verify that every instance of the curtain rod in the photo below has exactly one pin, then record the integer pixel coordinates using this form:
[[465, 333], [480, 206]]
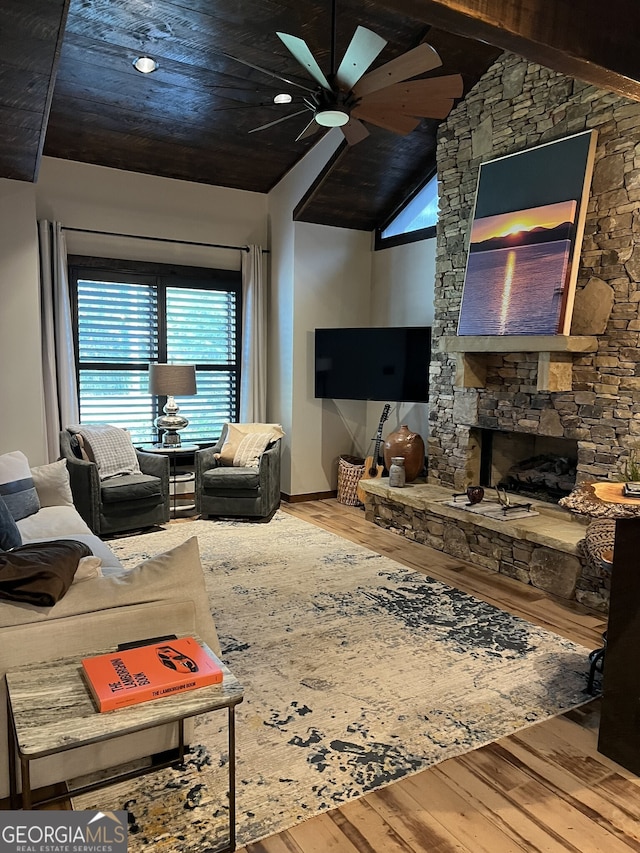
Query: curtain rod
[[159, 239]]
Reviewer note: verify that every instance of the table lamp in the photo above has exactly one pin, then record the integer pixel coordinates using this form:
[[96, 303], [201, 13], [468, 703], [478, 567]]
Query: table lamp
[[172, 380]]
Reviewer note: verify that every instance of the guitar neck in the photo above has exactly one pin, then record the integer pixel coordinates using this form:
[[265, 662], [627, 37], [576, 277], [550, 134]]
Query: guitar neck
[[378, 439]]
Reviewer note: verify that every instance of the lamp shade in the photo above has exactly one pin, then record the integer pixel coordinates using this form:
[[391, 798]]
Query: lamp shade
[[175, 380]]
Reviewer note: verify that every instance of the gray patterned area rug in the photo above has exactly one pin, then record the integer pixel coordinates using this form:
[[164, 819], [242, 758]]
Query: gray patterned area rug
[[357, 672]]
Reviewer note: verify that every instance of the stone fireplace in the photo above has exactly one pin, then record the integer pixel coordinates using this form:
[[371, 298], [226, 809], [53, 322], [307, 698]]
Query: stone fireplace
[[515, 106], [580, 399]]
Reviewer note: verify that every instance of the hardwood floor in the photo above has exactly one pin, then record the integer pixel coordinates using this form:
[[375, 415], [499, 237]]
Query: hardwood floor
[[545, 789]]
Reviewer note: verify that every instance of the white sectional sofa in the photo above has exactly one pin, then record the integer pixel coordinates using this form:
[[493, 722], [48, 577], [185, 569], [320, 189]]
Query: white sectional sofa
[[162, 595]]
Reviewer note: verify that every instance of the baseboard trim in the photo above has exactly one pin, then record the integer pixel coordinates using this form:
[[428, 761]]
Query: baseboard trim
[[311, 496]]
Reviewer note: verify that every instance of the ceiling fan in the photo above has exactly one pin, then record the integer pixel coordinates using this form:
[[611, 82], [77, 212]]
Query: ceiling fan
[[386, 97]]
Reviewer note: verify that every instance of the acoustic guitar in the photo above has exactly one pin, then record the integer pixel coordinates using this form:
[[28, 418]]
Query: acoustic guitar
[[372, 470]]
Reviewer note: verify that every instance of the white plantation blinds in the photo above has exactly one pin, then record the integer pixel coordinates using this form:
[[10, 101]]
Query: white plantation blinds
[[123, 325]]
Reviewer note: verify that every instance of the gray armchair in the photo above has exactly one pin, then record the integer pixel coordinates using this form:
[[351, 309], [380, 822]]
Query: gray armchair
[[224, 490], [128, 502]]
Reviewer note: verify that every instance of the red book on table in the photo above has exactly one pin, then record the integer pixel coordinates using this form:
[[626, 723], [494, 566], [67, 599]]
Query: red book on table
[[122, 678]]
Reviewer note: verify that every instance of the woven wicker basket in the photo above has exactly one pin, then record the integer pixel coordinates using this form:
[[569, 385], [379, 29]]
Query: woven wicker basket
[[350, 470]]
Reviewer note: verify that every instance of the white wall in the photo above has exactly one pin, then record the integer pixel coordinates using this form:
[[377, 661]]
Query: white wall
[[332, 287], [21, 374], [84, 196], [402, 293], [287, 358]]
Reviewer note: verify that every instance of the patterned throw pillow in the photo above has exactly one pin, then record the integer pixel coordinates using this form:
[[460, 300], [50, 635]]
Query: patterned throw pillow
[[250, 449], [16, 485], [239, 433]]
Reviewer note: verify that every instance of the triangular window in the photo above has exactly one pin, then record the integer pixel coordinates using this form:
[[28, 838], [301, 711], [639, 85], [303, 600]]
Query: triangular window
[[416, 220]]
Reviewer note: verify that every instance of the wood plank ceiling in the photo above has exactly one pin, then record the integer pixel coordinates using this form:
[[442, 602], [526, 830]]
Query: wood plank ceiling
[[68, 87]]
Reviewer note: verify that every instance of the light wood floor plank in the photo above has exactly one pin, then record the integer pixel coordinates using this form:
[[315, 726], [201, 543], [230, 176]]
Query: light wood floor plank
[[400, 812], [560, 773], [282, 843], [323, 835], [489, 795], [471, 826]]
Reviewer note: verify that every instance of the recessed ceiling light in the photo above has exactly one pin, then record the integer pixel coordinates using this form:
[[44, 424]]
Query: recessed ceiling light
[[145, 64], [283, 98]]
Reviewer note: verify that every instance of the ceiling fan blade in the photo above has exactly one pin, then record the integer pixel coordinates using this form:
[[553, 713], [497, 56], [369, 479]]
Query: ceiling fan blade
[[416, 61], [417, 92], [277, 121], [309, 130], [436, 108], [363, 49], [300, 51], [269, 73], [354, 131], [388, 119], [421, 98]]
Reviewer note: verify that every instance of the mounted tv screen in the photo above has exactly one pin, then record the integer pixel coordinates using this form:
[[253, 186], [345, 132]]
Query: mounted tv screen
[[373, 364]]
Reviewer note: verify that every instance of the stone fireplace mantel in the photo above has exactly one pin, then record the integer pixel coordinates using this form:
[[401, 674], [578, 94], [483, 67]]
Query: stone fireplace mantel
[[555, 356]]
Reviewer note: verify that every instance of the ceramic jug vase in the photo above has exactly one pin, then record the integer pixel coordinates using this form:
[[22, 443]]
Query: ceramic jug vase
[[409, 445]]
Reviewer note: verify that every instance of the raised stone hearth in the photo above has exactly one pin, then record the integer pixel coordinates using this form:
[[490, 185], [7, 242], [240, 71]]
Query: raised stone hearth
[[542, 550]]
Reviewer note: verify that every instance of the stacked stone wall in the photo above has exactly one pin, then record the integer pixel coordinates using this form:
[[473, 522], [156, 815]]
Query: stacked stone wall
[[566, 575], [515, 106]]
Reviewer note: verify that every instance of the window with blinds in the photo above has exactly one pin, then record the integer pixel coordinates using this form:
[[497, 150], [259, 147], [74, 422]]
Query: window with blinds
[[123, 322]]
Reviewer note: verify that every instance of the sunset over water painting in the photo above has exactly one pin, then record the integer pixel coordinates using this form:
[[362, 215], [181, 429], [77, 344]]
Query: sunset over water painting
[[517, 271], [525, 238]]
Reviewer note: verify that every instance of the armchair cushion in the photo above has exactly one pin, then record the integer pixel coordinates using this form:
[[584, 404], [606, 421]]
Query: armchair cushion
[[245, 443], [231, 478], [130, 487], [110, 448]]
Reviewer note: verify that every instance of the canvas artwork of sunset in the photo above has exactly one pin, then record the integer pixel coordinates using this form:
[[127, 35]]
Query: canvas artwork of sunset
[[517, 271]]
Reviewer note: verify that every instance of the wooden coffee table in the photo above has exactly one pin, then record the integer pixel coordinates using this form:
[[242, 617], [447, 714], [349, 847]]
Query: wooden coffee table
[[51, 711]]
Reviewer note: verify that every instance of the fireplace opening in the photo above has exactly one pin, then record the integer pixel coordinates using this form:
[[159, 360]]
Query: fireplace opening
[[532, 466]]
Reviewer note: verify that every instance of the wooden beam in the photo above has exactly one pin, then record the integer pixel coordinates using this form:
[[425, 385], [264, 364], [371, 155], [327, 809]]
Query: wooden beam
[[307, 198], [30, 42], [62, 9], [586, 40]]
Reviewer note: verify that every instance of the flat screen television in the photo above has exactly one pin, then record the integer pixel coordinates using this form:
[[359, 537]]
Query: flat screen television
[[373, 364]]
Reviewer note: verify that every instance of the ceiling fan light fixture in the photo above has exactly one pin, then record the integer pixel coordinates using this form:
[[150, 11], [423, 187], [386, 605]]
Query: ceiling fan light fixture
[[283, 98], [331, 118], [145, 64]]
